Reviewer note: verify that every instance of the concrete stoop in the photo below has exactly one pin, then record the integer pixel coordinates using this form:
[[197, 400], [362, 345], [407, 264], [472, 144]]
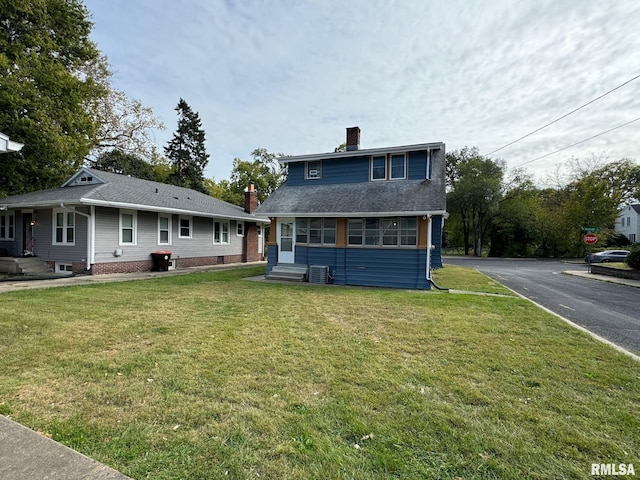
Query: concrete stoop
[[288, 272]]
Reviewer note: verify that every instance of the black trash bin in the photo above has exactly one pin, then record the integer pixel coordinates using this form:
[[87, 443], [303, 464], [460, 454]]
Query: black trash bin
[[161, 261]]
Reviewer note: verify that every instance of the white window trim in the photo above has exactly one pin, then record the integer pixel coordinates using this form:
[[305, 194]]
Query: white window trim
[[64, 241], [386, 168], [390, 168], [9, 219], [222, 223], [168, 217], [319, 170], [185, 217], [239, 229], [134, 226]]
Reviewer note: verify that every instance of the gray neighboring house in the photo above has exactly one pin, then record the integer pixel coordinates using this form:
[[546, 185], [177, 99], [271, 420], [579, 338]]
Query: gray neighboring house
[[628, 222], [100, 222]]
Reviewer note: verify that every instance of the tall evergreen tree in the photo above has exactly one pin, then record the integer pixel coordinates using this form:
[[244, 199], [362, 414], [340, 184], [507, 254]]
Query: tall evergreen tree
[[48, 89], [186, 150]]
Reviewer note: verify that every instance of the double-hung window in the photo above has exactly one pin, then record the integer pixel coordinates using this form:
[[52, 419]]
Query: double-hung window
[[128, 225], [7, 226], [398, 168], [389, 167], [64, 227], [220, 232], [379, 168], [186, 227], [240, 229], [164, 230]]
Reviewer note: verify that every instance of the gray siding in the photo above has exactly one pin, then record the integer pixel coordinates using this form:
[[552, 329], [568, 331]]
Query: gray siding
[[199, 245]]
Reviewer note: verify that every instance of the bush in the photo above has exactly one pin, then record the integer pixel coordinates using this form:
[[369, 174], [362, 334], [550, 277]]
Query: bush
[[633, 260], [617, 240]]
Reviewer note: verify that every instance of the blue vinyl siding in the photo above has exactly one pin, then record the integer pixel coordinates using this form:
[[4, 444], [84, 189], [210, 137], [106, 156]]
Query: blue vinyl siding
[[335, 171], [436, 239], [375, 267]]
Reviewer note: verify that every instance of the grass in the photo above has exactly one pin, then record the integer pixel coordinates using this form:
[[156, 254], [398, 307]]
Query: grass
[[210, 376]]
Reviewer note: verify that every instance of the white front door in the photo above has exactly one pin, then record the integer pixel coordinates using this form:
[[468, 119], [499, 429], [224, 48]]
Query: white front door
[[286, 240]]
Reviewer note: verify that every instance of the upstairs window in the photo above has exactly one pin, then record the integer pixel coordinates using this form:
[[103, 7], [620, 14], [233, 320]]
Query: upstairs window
[[398, 166], [379, 168], [64, 227], [7, 226], [391, 167], [313, 170]]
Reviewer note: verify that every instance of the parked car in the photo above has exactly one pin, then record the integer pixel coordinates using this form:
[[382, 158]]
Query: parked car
[[607, 256]]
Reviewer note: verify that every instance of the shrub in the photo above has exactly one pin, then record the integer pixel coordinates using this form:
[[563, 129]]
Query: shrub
[[633, 260]]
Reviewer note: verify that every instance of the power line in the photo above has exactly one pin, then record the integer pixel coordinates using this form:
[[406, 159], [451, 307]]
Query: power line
[[578, 143], [564, 116]]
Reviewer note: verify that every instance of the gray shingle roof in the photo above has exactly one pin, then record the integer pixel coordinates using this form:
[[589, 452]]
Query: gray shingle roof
[[121, 191], [368, 198]]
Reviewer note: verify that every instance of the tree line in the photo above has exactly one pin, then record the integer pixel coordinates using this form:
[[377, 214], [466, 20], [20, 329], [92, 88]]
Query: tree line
[[500, 213], [56, 98]]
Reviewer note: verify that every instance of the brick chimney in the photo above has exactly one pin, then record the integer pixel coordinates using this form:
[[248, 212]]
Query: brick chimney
[[353, 139], [250, 198]]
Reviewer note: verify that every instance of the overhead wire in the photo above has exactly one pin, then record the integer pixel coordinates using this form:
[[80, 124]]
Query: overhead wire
[[565, 116], [578, 143]]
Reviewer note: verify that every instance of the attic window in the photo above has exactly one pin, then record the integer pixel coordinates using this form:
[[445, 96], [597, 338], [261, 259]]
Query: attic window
[[313, 170], [86, 179]]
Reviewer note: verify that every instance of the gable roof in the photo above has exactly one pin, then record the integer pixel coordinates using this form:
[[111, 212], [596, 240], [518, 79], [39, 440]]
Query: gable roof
[[402, 197], [120, 191]]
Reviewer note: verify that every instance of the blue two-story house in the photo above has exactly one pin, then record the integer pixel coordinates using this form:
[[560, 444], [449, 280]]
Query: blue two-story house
[[374, 217]]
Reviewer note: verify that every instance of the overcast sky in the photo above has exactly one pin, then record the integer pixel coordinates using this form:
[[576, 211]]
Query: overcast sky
[[290, 76]]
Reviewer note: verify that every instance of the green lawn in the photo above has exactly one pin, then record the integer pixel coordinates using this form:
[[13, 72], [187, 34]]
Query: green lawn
[[207, 376]]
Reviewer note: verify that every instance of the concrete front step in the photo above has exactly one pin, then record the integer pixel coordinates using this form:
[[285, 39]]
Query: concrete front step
[[23, 265], [289, 273]]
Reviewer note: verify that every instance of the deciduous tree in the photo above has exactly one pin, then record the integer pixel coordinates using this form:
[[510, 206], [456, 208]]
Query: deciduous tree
[[47, 90]]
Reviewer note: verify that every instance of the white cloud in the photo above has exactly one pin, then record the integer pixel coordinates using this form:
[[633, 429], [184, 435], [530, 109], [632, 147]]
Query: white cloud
[[290, 76]]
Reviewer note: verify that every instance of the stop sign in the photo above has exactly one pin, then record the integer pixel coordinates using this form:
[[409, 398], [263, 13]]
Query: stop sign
[[590, 238]]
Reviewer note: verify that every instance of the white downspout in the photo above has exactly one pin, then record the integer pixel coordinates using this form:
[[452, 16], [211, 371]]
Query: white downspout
[[428, 265], [90, 231]]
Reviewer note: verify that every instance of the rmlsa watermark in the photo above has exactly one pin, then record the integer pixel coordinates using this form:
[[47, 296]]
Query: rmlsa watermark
[[613, 469]]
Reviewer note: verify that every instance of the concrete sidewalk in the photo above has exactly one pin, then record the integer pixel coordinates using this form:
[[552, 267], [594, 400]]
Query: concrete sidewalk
[[603, 278], [27, 455], [18, 283]]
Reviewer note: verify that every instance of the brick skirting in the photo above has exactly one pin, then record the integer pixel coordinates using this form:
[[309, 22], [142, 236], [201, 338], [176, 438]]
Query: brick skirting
[[147, 265]]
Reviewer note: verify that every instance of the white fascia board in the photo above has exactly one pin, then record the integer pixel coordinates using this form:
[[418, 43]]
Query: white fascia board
[[353, 214], [176, 211], [360, 153]]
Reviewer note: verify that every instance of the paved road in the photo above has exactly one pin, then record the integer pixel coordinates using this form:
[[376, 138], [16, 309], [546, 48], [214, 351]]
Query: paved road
[[609, 310]]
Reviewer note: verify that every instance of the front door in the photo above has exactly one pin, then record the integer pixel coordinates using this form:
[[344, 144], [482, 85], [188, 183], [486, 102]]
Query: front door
[[286, 240]]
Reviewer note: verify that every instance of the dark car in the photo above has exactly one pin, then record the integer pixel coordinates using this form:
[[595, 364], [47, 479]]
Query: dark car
[[607, 256]]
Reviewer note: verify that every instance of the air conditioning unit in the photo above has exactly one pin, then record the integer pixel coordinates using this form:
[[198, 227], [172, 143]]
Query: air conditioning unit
[[318, 274]]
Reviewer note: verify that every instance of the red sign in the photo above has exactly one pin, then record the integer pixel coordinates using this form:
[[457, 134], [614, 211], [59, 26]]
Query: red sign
[[590, 238]]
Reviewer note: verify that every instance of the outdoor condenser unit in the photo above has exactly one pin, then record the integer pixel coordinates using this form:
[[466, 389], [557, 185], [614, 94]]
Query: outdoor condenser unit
[[318, 274]]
